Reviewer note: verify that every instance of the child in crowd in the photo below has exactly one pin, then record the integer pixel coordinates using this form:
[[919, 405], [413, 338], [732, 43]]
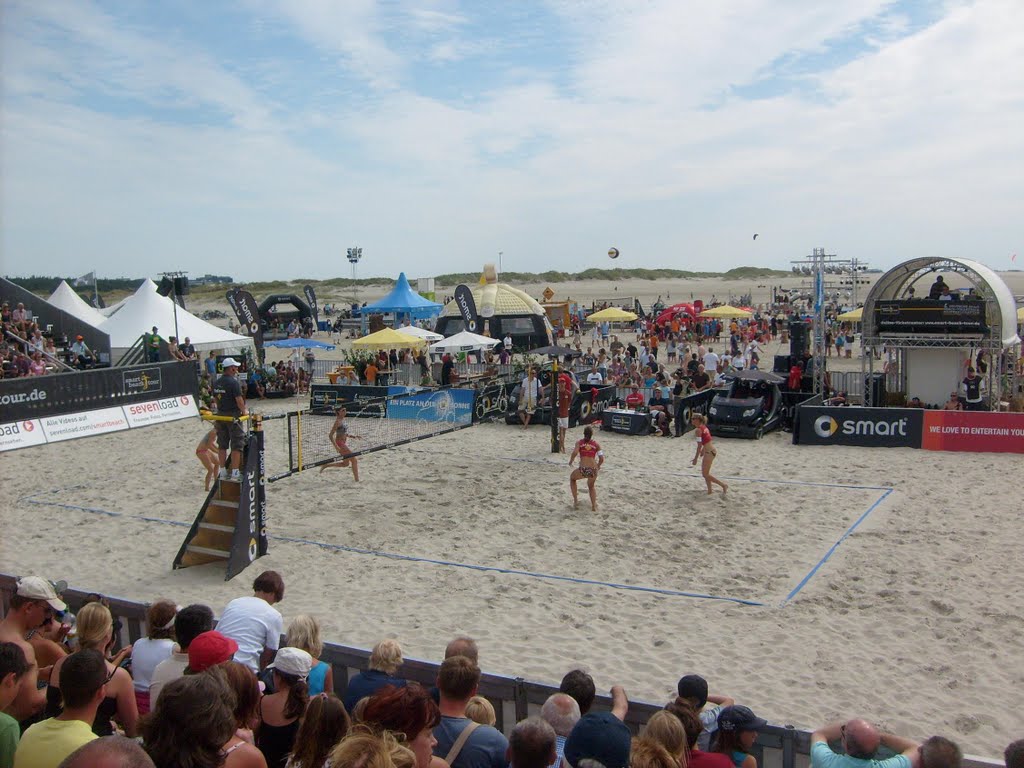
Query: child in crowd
[[480, 710]]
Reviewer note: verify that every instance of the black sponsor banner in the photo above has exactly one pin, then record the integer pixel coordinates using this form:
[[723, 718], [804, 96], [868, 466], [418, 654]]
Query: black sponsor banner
[[698, 402], [589, 403], [358, 401], [491, 402], [871, 427], [249, 317], [233, 301], [311, 299], [790, 402], [625, 422], [249, 525], [467, 307], [62, 393], [927, 316]]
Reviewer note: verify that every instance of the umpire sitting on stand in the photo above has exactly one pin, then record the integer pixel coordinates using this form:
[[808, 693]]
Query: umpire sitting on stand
[[230, 403]]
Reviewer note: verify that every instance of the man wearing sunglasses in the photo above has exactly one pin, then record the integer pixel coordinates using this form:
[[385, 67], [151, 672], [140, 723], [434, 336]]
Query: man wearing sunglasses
[[34, 595]]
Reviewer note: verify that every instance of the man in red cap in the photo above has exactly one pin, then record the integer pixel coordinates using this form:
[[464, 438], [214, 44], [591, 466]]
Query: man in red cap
[[84, 358], [210, 649]]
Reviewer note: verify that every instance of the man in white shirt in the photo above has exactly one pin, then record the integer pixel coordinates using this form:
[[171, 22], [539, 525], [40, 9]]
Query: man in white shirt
[[595, 377], [254, 623], [711, 361], [507, 342], [190, 622]]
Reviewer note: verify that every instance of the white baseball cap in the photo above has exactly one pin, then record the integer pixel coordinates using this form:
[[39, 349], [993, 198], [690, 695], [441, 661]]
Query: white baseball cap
[[230, 361], [38, 588], [292, 661]]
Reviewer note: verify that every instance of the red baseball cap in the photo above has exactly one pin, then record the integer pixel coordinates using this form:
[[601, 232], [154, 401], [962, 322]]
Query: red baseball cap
[[209, 649]]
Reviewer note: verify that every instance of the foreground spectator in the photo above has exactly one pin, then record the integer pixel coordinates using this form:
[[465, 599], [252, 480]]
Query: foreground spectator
[[736, 734], [95, 632], [693, 689], [208, 650], [580, 686], [601, 736], [242, 683], [665, 730], [372, 750], [254, 623], [561, 712], [693, 728], [82, 689], [410, 711], [940, 752], [860, 740], [281, 711], [149, 651], [483, 746], [1013, 755], [191, 723], [480, 710], [13, 667], [191, 621], [28, 606], [531, 744], [324, 725], [109, 752], [304, 633], [385, 659]]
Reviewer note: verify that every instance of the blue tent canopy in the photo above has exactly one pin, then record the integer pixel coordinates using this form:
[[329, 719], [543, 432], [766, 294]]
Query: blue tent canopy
[[292, 343], [403, 300]]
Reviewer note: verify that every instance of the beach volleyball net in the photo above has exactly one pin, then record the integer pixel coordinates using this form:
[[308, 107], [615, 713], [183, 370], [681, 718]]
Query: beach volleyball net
[[374, 424]]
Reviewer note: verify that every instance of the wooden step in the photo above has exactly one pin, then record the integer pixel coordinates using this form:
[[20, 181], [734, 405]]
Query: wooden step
[[208, 551], [218, 527]]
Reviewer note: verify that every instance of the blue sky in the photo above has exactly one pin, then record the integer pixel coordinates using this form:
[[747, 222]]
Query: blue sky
[[261, 138]]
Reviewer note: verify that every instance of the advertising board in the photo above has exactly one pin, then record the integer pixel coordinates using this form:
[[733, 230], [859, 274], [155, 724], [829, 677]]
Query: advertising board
[[973, 431], [926, 316], [872, 427], [21, 434]]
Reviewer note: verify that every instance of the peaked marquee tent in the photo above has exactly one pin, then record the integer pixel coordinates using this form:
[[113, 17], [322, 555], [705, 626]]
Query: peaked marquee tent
[[64, 297], [146, 308], [403, 300]]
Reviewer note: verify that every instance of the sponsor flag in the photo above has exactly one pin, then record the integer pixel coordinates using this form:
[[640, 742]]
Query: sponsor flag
[[249, 315], [467, 307], [249, 541], [98, 302], [311, 298], [233, 301], [86, 279]]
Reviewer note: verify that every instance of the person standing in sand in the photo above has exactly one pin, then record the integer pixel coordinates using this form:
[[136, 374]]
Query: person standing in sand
[[591, 458], [706, 451], [206, 451], [339, 437]]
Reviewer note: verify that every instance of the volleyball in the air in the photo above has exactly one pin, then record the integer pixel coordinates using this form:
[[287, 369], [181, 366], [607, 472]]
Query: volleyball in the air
[[613, 253]]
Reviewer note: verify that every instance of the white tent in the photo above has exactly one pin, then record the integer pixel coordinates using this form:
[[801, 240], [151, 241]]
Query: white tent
[[147, 285], [419, 333], [64, 297], [146, 308], [464, 341]]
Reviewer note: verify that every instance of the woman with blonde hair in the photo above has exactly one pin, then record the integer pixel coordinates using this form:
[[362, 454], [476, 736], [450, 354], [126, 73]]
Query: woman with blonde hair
[[385, 660], [645, 752], [363, 748], [304, 633], [96, 630], [665, 729]]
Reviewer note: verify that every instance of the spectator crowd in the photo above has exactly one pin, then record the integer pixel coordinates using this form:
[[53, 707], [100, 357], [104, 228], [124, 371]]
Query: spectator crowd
[[197, 693]]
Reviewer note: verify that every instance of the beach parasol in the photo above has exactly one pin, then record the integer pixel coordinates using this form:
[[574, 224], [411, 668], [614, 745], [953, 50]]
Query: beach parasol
[[389, 339], [726, 311], [464, 341], [554, 351], [420, 333], [613, 315], [854, 315]]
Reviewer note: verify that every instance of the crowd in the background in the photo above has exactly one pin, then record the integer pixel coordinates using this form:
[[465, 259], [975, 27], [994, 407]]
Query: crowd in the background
[[245, 692], [28, 350]]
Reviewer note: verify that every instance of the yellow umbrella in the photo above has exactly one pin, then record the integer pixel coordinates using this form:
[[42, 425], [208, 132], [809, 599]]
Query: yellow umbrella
[[613, 315], [853, 315], [1020, 315], [725, 312], [389, 339]]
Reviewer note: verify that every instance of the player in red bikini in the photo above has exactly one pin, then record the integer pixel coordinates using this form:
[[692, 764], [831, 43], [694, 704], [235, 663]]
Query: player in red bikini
[[707, 450], [591, 459], [339, 436]]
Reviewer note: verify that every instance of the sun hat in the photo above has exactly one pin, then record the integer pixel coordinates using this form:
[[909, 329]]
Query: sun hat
[[599, 736], [739, 718], [38, 588], [209, 649], [292, 661], [230, 361]]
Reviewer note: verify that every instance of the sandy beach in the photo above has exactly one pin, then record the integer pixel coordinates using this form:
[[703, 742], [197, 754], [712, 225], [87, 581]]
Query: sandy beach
[[915, 621]]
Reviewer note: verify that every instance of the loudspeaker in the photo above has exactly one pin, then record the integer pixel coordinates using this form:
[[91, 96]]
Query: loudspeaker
[[181, 286], [166, 286], [798, 338], [782, 364], [875, 384]]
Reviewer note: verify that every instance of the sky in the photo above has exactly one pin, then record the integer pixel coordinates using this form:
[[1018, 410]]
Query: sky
[[263, 138]]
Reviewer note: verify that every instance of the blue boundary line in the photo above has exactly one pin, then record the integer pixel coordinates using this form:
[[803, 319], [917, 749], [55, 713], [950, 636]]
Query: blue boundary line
[[408, 558], [834, 547]]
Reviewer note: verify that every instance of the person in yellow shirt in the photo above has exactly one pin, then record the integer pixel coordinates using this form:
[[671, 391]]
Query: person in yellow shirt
[[83, 685]]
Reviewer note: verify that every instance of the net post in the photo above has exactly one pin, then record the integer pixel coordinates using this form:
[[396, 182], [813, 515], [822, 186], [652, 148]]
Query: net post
[[291, 449], [554, 406], [298, 432]]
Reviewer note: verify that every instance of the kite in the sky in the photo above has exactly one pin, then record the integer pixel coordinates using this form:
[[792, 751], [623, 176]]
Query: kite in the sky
[[755, 236]]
